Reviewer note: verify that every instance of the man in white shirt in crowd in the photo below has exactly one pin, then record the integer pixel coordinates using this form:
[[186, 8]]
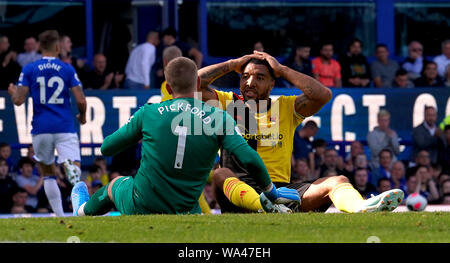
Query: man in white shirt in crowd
[[444, 59], [31, 47], [413, 64], [140, 63]]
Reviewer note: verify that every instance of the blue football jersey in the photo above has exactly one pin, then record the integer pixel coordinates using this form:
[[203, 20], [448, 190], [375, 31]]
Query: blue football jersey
[[49, 81]]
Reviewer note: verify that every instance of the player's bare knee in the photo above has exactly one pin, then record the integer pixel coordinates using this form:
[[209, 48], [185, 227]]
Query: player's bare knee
[[110, 187], [342, 179], [220, 175]]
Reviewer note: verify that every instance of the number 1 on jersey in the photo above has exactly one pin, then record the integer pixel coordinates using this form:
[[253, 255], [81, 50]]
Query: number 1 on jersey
[[181, 131]]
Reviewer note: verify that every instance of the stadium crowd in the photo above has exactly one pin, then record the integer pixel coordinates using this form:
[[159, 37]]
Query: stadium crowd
[[372, 168]]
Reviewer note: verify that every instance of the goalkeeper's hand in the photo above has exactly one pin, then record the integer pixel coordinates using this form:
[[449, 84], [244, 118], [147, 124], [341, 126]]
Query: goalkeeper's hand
[[283, 195]]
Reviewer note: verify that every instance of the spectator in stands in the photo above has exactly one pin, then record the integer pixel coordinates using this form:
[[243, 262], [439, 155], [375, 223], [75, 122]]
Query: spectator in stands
[[442, 178], [422, 159], [398, 176], [95, 174], [330, 162], [382, 137], [384, 184], [169, 38], [354, 65], [5, 153], [101, 162], [356, 147], [383, 69], [140, 63], [330, 172], [169, 53], [30, 182], [316, 156], [7, 187], [100, 77], [326, 69], [401, 79], [258, 46], [413, 64], [426, 186], [302, 139], [411, 185], [436, 170], [302, 172], [30, 154], [446, 199], [443, 60], [20, 202], [426, 136], [31, 47], [383, 170], [362, 184], [66, 55], [430, 77], [445, 191], [447, 76], [359, 162], [9, 68], [299, 60], [95, 185]]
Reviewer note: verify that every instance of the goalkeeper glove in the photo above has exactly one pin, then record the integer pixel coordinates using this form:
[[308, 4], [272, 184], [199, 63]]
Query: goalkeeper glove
[[283, 195]]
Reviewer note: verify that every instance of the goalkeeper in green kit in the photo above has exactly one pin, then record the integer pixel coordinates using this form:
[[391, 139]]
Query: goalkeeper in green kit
[[180, 140]]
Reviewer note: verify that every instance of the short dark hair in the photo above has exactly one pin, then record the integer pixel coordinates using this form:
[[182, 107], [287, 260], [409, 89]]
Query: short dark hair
[[25, 160], [18, 189], [319, 143], [401, 72], [355, 40], [326, 43], [386, 150], [429, 107], [310, 124], [259, 62], [383, 179], [94, 168], [361, 169], [4, 144], [447, 127], [381, 45], [170, 31], [48, 39]]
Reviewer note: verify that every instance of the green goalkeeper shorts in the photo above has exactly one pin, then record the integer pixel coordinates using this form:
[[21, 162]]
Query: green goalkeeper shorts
[[125, 199], [122, 193]]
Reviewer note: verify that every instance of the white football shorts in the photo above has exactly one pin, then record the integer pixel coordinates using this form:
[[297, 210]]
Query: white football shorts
[[67, 146]]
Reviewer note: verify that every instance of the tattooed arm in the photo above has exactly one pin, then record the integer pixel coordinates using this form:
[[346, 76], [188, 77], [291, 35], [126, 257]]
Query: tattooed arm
[[314, 96], [210, 73]]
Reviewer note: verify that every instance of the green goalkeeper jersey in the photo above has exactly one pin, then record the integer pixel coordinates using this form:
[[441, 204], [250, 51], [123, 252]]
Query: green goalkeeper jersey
[[180, 140]]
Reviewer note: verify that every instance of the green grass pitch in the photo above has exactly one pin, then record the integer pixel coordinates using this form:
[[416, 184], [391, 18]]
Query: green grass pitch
[[409, 227]]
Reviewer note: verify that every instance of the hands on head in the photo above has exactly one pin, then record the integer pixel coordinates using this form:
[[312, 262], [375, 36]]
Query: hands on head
[[239, 62]]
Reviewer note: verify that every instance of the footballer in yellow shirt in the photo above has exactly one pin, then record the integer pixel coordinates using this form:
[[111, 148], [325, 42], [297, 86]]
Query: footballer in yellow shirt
[[269, 126]]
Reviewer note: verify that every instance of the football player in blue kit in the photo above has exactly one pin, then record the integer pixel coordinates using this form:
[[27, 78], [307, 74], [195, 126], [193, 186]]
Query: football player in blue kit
[[49, 82]]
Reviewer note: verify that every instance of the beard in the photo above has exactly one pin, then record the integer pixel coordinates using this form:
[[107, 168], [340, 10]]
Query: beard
[[255, 95]]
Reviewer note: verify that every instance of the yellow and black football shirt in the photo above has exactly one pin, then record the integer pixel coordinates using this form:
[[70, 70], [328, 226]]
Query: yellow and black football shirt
[[273, 139]]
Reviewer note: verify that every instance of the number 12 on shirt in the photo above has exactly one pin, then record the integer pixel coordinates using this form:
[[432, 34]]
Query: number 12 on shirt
[[51, 82]]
